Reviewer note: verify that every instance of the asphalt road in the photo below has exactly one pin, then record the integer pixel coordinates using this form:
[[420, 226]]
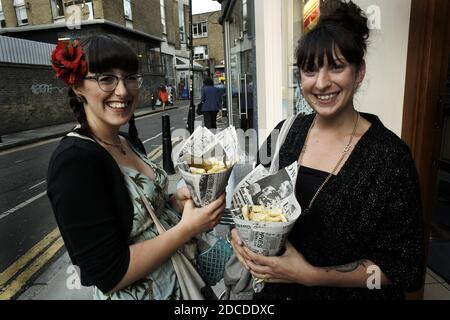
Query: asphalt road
[[26, 218]]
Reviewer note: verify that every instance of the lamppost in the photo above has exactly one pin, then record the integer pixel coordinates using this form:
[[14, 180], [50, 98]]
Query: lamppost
[[191, 115]]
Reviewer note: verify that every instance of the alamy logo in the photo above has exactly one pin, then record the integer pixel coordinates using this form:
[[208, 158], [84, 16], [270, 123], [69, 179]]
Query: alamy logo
[[374, 279], [73, 17], [73, 282], [374, 17]]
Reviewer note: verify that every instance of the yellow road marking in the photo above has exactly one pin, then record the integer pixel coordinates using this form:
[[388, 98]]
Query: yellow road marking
[[156, 155], [157, 152], [18, 283], [6, 275], [152, 153]]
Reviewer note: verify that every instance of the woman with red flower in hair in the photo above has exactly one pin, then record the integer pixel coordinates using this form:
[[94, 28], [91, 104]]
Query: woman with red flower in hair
[[98, 177]]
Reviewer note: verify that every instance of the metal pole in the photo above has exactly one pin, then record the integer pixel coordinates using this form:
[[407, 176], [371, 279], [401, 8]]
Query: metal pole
[[191, 115], [228, 72], [167, 145]]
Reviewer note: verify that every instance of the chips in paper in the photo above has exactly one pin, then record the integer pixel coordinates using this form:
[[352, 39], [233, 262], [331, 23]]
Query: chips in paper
[[263, 214]]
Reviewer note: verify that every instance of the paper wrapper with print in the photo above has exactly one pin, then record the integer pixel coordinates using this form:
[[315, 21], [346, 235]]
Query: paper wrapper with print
[[202, 145], [271, 191]]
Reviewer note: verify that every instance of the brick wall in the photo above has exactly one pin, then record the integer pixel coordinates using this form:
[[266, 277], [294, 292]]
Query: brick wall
[[98, 9], [32, 97], [113, 11], [147, 17], [39, 12], [214, 41], [173, 35], [10, 14]]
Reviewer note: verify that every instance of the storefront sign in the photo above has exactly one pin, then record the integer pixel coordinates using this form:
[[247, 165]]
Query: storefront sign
[[311, 14]]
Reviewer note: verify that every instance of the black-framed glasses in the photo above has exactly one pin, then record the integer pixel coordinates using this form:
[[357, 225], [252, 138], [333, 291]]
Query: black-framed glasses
[[109, 82]]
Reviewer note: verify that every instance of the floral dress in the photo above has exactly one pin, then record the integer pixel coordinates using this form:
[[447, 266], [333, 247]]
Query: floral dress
[[162, 283]]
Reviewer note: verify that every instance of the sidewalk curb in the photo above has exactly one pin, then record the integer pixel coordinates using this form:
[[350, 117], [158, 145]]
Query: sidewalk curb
[[6, 146]]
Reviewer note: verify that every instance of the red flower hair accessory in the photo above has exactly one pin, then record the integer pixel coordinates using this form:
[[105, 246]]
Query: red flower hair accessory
[[69, 62]]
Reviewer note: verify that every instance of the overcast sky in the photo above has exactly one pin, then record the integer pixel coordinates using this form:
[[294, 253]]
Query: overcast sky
[[201, 6]]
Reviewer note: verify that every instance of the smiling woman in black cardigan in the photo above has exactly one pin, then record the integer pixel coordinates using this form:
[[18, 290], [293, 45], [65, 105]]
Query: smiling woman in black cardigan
[[360, 235]]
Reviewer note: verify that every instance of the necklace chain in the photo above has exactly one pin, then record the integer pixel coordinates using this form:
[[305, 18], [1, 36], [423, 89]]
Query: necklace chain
[[116, 145], [346, 150]]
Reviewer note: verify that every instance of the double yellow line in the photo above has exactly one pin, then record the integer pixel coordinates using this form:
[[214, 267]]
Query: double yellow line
[[157, 152], [16, 276]]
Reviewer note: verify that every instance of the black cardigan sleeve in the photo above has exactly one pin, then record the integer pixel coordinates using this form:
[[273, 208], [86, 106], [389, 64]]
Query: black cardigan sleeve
[[87, 218], [398, 246]]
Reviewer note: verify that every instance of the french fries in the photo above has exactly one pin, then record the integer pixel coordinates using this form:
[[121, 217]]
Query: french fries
[[263, 214], [210, 165]]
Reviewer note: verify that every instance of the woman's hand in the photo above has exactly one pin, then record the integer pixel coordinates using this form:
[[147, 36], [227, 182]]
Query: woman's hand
[[197, 220], [178, 200], [291, 267]]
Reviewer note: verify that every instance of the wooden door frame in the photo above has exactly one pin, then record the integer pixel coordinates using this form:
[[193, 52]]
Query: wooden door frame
[[427, 65]]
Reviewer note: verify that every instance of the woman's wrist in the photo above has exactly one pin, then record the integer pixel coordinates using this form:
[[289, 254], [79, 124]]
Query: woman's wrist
[[312, 277]]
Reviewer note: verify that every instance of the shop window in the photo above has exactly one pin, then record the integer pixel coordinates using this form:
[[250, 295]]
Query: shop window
[[155, 64], [21, 12], [200, 29]]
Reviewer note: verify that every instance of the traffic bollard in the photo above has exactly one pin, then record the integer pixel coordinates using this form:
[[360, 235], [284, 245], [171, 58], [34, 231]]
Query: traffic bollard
[[167, 145]]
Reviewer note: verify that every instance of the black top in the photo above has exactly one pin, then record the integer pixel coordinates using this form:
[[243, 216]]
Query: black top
[[370, 210], [308, 182], [93, 210]]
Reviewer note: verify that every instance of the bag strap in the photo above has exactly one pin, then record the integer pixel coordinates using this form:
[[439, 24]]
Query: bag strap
[[190, 290], [274, 166]]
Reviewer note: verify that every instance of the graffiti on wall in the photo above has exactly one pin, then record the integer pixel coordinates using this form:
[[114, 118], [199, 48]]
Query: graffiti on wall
[[46, 89]]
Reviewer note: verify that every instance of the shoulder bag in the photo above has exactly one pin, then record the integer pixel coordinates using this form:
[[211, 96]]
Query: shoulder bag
[[191, 283]]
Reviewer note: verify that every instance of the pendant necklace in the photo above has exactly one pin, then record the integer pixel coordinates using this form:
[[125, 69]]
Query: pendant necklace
[[116, 145], [346, 150]]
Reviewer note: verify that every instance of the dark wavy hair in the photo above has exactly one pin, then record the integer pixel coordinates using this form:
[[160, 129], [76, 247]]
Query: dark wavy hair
[[345, 29], [103, 53]]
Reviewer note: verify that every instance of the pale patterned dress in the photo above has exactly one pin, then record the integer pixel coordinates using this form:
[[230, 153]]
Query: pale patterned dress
[[162, 283]]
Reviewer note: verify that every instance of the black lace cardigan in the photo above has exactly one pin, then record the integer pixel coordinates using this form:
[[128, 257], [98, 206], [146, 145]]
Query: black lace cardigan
[[370, 210]]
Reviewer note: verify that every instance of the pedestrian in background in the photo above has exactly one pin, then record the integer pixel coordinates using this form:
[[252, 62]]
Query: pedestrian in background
[[97, 175], [163, 96], [360, 235], [211, 99]]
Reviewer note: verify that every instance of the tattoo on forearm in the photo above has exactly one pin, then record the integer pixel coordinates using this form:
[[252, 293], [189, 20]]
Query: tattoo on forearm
[[347, 267]]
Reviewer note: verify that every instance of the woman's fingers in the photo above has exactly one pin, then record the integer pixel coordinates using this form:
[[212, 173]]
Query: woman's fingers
[[238, 254], [215, 205]]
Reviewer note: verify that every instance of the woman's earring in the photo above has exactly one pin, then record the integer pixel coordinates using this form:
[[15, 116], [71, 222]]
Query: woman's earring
[[81, 99]]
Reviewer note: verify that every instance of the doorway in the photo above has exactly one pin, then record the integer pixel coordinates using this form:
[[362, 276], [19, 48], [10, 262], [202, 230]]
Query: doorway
[[423, 116]]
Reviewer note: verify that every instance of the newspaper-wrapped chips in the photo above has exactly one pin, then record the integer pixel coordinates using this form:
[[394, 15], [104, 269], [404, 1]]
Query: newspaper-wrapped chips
[[205, 162]]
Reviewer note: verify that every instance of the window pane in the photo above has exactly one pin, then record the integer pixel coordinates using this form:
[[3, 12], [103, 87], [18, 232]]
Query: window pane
[[127, 9], [18, 3], [21, 14]]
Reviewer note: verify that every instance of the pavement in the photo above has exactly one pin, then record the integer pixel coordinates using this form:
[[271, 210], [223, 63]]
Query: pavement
[[22, 138], [59, 280]]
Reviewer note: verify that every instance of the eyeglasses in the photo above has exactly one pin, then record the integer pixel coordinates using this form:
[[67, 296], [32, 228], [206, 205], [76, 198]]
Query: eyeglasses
[[109, 82]]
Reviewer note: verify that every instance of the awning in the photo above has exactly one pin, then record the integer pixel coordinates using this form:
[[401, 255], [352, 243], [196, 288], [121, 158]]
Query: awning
[[183, 64]]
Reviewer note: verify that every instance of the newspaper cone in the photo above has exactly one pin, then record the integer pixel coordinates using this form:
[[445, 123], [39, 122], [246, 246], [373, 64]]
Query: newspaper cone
[[202, 145], [271, 191]]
